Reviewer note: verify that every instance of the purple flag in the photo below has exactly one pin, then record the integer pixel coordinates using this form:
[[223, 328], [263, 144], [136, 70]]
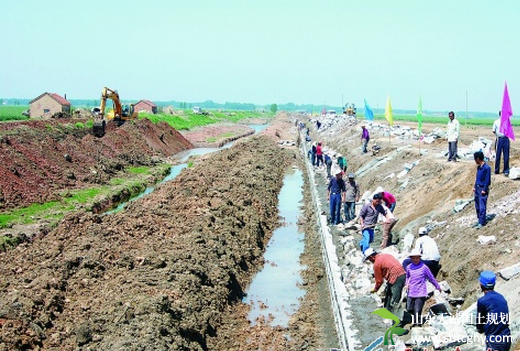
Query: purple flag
[[505, 116]]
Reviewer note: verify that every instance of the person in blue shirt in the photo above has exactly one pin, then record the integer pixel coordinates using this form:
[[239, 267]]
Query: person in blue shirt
[[336, 196], [481, 188], [493, 315]]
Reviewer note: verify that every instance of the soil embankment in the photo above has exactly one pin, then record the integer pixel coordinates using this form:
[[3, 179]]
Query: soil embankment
[[158, 275], [168, 273], [39, 159]]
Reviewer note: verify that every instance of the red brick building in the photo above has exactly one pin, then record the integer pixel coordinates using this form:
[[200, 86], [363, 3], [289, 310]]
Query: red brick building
[[48, 104], [145, 105]]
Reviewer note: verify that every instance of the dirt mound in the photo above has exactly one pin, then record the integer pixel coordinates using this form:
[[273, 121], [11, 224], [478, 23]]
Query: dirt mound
[[38, 159], [158, 276]]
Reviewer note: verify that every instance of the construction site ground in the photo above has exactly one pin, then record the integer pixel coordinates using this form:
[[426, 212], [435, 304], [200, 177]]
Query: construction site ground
[[169, 272]]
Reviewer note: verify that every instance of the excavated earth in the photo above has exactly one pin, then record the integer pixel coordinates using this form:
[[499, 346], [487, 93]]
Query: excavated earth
[[168, 272], [39, 159]]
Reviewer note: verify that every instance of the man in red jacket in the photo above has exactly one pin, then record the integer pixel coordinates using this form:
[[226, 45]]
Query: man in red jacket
[[387, 267]]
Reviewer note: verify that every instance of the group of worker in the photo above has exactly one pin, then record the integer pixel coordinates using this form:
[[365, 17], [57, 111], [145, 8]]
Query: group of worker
[[423, 262], [492, 318]]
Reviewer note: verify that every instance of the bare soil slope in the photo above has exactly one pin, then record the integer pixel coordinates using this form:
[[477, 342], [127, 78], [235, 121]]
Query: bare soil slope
[[40, 158]]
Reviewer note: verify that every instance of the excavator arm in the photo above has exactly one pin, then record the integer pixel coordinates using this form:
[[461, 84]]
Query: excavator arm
[[119, 114]]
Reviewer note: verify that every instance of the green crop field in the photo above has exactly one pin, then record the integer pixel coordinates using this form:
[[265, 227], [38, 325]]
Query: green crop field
[[12, 113]]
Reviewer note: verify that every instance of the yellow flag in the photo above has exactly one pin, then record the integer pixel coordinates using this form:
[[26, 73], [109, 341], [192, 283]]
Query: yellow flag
[[388, 112]]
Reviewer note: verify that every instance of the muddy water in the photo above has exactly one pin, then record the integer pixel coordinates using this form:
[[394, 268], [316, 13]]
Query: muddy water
[[275, 291]]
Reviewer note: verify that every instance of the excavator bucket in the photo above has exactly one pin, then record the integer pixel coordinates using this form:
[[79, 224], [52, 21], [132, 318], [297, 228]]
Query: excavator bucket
[[98, 128]]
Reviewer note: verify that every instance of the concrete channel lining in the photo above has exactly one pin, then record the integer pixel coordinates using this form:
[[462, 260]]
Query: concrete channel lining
[[338, 292]]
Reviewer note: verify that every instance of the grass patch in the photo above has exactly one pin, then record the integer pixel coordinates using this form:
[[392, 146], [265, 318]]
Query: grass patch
[[116, 181], [31, 214], [139, 170]]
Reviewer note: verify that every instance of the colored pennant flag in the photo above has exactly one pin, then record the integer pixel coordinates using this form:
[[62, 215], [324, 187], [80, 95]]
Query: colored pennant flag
[[505, 116], [369, 115], [419, 116], [388, 112]]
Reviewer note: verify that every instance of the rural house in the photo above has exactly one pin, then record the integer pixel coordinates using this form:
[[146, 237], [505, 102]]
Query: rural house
[[47, 104], [145, 105]]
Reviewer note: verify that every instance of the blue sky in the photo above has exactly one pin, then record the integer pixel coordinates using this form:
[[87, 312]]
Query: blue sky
[[266, 51]]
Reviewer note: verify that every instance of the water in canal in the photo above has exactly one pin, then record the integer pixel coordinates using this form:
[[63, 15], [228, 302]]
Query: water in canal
[[175, 170], [275, 290]]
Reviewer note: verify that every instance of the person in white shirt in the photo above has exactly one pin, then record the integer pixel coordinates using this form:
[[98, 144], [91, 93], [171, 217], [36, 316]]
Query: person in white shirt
[[429, 250], [502, 147], [453, 135]]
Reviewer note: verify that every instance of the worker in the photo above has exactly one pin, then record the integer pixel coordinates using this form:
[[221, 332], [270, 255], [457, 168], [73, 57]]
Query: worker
[[368, 217], [313, 154], [365, 138], [328, 164], [387, 267], [493, 314], [502, 146], [417, 274], [342, 163], [388, 198], [351, 197], [481, 188], [336, 196], [429, 250], [319, 155], [389, 222], [453, 135]]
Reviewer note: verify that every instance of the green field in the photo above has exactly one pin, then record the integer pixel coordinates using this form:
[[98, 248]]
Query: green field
[[189, 120], [12, 113]]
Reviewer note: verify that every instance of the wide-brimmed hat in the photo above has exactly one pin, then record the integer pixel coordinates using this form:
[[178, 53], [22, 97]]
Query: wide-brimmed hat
[[415, 252], [369, 252]]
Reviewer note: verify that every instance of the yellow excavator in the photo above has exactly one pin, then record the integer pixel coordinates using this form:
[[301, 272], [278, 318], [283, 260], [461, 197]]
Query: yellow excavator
[[119, 114]]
